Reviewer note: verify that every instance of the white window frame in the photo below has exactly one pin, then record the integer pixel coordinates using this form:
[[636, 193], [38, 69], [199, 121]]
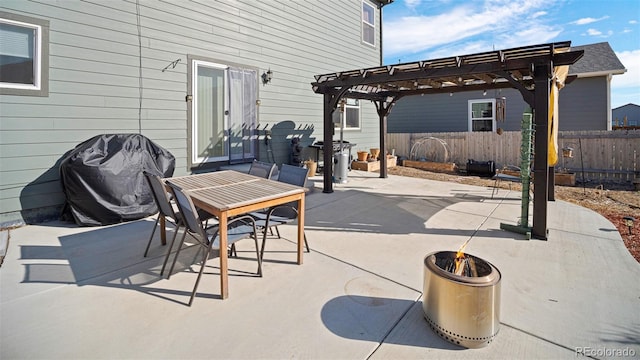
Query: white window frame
[[473, 118], [195, 159], [353, 104], [40, 85], [365, 23]]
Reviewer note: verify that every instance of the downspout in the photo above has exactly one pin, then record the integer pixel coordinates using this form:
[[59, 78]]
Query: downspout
[[609, 78], [380, 6]]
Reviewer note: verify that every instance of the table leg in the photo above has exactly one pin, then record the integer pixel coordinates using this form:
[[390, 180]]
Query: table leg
[[300, 229], [163, 230], [224, 270]]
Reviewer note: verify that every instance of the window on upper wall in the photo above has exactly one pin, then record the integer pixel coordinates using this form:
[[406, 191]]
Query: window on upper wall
[[351, 116], [23, 55], [368, 24], [482, 115]]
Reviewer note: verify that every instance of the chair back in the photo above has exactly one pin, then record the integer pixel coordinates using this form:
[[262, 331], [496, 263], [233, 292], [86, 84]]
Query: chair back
[[188, 210], [293, 175], [160, 195], [262, 169]]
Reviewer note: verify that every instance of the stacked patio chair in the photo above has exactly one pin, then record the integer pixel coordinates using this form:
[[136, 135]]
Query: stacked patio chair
[[262, 169], [239, 228], [282, 214], [167, 211]]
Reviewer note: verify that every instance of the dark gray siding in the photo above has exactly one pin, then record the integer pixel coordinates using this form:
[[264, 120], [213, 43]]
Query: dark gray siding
[[445, 113], [583, 106], [630, 111], [105, 76]]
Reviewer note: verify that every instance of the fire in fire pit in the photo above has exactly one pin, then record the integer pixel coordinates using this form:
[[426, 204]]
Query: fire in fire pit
[[461, 299]]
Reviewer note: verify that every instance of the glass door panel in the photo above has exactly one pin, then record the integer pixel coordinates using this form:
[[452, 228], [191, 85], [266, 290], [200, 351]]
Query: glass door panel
[[210, 109]]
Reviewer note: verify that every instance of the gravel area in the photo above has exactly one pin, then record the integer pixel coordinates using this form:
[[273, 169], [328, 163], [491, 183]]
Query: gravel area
[[613, 201]]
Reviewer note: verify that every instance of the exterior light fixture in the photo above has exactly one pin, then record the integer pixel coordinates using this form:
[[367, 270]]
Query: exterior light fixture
[[266, 77], [484, 93], [628, 220]]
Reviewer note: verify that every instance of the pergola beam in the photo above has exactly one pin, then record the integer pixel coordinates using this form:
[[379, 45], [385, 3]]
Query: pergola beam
[[528, 69]]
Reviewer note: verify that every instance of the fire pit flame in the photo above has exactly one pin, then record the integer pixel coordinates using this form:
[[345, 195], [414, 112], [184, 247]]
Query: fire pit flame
[[462, 265]]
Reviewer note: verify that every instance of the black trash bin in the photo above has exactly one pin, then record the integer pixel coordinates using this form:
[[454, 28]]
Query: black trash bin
[[481, 168]]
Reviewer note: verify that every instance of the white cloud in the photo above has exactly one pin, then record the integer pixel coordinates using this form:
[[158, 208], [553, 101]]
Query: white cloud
[[630, 79], [598, 33], [538, 14], [496, 19], [412, 3], [633, 22], [587, 20], [594, 32]]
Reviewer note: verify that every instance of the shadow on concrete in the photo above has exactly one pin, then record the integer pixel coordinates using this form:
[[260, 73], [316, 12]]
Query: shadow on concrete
[[368, 318], [113, 257]]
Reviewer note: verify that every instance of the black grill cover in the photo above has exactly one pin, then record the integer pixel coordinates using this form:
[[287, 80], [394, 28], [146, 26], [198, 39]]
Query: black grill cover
[[103, 181]]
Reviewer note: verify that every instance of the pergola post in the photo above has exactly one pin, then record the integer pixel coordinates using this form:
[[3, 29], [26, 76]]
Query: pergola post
[[383, 107], [327, 149], [542, 75]]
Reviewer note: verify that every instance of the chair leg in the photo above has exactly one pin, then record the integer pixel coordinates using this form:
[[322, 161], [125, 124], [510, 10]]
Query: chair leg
[[264, 241], [177, 254], [204, 262], [306, 243], [151, 237], [255, 239], [277, 231], [233, 252], [175, 235]]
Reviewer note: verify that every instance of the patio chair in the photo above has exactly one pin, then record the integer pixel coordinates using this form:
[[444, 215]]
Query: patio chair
[[167, 211], [238, 228], [282, 214], [262, 169]]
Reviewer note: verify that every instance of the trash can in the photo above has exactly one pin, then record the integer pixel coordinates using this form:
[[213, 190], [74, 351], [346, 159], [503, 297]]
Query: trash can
[[340, 167]]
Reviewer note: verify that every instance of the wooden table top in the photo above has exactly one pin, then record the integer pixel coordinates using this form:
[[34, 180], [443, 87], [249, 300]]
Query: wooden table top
[[231, 189]]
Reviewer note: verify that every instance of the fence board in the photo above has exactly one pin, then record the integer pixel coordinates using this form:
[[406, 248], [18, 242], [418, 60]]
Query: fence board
[[601, 155]]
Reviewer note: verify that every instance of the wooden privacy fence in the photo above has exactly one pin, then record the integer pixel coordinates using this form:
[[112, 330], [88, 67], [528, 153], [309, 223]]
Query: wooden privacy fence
[[601, 155]]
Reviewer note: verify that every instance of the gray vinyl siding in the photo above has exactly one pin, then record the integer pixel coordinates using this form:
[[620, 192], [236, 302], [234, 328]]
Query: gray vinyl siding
[[630, 111], [97, 63], [582, 104]]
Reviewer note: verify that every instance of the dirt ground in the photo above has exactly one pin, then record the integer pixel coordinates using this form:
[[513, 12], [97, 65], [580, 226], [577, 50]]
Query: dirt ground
[[613, 201]]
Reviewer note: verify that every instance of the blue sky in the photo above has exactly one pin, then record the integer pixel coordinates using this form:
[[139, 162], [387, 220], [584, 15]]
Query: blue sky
[[428, 29]]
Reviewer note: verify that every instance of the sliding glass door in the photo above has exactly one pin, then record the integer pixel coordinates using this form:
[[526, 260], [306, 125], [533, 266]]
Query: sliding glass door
[[224, 113]]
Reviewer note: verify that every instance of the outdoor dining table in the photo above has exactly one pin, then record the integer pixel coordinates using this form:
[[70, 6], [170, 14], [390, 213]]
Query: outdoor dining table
[[229, 193]]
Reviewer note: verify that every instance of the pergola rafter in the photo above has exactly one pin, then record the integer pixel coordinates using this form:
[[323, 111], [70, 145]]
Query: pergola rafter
[[528, 69]]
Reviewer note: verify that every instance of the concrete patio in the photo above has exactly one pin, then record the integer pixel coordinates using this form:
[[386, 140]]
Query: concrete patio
[[87, 293]]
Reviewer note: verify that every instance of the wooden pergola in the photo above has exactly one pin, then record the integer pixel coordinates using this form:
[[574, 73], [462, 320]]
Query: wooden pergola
[[529, 69]]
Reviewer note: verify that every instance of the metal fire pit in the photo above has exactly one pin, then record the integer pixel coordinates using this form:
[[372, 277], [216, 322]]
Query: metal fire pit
[[463, 310]]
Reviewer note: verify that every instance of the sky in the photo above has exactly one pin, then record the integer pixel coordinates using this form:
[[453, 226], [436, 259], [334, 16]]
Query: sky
[[416, 30]]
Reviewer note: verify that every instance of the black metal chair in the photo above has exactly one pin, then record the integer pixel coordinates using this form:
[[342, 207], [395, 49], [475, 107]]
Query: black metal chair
[[166, 209], [208, 237], [282, 214], [262, 169]]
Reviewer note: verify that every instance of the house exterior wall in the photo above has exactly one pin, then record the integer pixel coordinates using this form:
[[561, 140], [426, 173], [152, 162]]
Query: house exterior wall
[[630, 111], [583, 106], [105, 76]]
